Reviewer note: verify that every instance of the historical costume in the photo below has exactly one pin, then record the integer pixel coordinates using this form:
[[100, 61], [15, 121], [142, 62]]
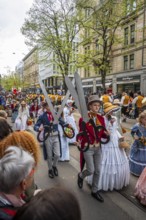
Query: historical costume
[[140, 189], [138, 149], [64, 145], [23, 115], [14, 107], [93, 155], [69, 119], [114, 165], [51, 142]]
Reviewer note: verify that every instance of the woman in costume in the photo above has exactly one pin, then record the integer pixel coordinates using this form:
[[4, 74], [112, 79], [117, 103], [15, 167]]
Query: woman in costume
[[138, 149], [69, 119], [23, 115], [114, 166]]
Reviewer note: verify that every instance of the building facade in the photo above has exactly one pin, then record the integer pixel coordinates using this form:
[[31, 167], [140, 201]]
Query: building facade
[[31, 70], [127, 58]]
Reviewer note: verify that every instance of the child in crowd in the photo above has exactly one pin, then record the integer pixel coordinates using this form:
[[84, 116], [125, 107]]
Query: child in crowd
[[138, 148]]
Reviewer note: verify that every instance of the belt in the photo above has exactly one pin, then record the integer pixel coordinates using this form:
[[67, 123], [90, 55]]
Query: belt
[[53, 133]]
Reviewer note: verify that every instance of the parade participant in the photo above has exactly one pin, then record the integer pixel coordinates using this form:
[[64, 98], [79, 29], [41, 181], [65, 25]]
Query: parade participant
[[125, 103], [69, 118], [140, 189], [138, 103], [93, 154], [34, 109], [23, 114], [64, 144], [16, 175], [51, 204], [51, 144], [15, 108], [114, 165], [106, 98], [143, 104], [138, 149]]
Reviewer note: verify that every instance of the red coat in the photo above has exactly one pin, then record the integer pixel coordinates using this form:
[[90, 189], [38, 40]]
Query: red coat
[[91, 134]]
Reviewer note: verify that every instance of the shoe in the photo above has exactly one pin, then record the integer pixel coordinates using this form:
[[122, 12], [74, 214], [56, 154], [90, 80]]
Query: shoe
[[51, 174], [124, 120], [55, 170], [80, 182], [97, 196]]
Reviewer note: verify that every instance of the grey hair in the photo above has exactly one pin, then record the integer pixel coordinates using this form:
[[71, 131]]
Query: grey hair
[[15, 166]]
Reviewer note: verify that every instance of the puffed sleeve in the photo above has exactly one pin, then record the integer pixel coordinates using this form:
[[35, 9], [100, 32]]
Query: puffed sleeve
[[135, 130]]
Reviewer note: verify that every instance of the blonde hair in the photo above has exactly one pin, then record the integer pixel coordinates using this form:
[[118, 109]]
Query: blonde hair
[[141, 116], [22, 139]]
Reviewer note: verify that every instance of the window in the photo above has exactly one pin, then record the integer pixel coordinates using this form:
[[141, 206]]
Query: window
[[87, 13], [87, 71], [129, 35], [97, 45], [125, 62], [132, 33], [126, 30], [129, 62], [132, 61]]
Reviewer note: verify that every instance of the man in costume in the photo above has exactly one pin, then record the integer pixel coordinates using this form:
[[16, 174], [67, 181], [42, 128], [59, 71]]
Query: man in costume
[[51, 143], [93, 155]]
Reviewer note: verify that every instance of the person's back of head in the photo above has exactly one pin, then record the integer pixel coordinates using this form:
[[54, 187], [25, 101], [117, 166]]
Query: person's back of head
[[23, 139], [3, 114], [15, 166], [5, 128], [55, 203]]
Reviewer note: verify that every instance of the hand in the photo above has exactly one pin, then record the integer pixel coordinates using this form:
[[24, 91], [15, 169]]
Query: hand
[[136, 137], [41, 129]]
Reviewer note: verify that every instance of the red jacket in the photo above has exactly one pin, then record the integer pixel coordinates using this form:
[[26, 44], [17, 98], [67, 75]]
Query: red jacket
[[90, 133]]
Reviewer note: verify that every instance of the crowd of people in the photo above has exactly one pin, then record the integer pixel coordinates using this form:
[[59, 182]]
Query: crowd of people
[[105, 165]]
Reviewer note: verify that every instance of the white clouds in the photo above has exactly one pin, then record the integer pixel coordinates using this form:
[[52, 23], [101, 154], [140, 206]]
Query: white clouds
[[12, 15]]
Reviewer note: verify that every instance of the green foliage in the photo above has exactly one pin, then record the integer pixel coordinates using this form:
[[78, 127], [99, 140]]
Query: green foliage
[[53, 26], [101, 21], [11, 81]]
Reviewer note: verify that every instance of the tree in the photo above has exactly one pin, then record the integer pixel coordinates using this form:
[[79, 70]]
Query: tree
[[100, 25], [53, 25], [11, 81]]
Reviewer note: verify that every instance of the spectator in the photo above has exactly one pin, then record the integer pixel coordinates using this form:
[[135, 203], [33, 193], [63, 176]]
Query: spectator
[[5, 128], [16, 175], [3, 114], [27, 141], [55, 203]]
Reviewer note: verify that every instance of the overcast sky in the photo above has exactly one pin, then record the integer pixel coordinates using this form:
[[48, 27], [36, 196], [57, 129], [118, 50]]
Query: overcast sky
[[12, 46]]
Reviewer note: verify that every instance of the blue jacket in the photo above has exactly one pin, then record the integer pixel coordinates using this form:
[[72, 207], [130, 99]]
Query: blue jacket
[[43, 119]]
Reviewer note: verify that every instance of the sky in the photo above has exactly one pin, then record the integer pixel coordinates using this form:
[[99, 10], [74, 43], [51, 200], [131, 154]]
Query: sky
[[12, 42]]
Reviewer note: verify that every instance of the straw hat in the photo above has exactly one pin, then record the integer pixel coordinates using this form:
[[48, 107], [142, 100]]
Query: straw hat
[[144, 101], [69, 101], [108, 107], [23, 103], [116, 102], [94, 98]]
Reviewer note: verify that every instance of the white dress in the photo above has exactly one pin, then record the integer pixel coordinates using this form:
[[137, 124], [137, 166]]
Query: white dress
[[20, 122], [114, 165], [69, 119], [64, 145]]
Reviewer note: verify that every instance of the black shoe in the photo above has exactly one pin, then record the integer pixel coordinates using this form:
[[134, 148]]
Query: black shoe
[[80, 182], [51, 174], [55, 170], [97, 196]]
